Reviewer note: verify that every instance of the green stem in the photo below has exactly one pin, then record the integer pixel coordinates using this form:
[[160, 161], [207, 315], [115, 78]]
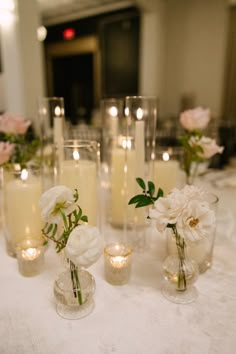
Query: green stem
[[75, 283], [180, 244]]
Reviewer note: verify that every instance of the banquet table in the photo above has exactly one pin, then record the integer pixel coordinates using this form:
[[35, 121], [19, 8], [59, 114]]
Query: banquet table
[[130, 319]]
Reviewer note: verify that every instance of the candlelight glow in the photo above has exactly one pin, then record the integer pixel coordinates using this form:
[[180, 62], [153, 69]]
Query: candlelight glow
[[24, 174], [57, 111], [76, 155], [139, 113], [165, 156], [113, 111]]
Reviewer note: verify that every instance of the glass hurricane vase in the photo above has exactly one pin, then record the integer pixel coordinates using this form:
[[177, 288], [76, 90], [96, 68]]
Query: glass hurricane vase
[[180, 274], [73, 290]]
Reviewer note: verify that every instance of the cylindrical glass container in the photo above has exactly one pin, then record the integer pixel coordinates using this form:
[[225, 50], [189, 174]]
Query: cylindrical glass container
[[117, 263], [22, 188], [78, 168], [51, 131], [141, 119], [167, 173]]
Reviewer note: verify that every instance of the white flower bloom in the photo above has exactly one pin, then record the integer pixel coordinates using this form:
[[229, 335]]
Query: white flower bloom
[[55, 198], [84, 245], [208, 146], [166, 210], [193, 192], [197, 118], [196, 221]]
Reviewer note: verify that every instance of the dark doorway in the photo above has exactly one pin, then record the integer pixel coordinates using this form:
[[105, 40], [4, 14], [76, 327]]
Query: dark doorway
[[73, 79]]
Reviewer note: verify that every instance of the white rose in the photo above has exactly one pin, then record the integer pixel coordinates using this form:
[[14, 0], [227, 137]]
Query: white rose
[[195, 119], [193, 192], [166, 210], [84, 245], [208, 145], [196, 221], [54, 199]]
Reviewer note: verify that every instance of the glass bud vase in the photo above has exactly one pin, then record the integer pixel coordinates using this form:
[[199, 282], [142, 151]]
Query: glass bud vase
[[180, 274], [74, 302], [179, 281]]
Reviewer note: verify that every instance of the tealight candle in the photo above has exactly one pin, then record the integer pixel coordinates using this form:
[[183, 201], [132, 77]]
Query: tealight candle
[[117, 263], [30, 257]]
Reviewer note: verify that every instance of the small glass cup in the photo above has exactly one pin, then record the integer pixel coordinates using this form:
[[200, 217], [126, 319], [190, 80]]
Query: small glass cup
[[117, 263], [30, 257]]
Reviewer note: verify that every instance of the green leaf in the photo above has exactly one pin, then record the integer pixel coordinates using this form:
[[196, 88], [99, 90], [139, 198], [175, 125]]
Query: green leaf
[[141, 183], [151, 188], [84, 218], [160, 193], [135, 199], [144, 202]]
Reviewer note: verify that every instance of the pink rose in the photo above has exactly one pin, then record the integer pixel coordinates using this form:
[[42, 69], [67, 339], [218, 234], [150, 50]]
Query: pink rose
[[13, 124], [6, 150], [208, 146], [193, 119]]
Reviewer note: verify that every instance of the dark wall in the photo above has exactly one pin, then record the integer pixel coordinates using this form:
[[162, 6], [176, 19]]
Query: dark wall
[[118, 35]]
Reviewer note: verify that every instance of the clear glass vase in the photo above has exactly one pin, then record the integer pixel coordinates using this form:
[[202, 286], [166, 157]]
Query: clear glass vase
[[180, 277], [74, 302], [180, 274]]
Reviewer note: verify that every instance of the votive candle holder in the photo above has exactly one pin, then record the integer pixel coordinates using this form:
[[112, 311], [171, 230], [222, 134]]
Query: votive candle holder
[[117, 263]]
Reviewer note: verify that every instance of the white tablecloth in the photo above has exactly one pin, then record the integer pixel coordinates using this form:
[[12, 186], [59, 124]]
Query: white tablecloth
[[129, 319]]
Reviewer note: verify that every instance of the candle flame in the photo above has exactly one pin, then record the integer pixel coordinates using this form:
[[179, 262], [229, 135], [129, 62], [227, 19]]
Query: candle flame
[[24, 174], [57, 111], [113, 111], [30, 254], [165, 156], [76, 155], [139, 113]]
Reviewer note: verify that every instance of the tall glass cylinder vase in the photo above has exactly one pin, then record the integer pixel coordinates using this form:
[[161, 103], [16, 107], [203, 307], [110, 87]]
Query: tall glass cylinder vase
[[21, 190], [78, 167], [114, 200], [51, 130], [141, 119]]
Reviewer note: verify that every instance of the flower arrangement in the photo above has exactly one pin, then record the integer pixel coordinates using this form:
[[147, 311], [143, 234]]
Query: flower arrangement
[[17, 145], [82, 243], [183, 211], [197, 147]]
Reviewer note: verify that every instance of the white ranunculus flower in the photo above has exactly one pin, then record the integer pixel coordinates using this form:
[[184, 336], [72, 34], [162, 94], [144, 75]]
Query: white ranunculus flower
[[193, 192], [195, 119], [53, 199], [166, 210], [196, 221], [208, 145], [84, 245]]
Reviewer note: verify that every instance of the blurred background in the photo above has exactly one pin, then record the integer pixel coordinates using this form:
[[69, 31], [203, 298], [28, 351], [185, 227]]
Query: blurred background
[[86, 50]]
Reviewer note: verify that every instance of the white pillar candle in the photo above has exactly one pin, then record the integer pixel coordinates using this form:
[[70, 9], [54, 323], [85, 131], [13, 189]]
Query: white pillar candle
[[23, 216], [82, 175], [139, 148], [166, 174], [122, 184]]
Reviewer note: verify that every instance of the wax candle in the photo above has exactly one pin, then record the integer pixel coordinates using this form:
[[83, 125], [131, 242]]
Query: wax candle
[[82, 175], [166, 173], [139, 144], [117, 263], [30, 257], [23, 216], [122, 184], [58, 128]]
